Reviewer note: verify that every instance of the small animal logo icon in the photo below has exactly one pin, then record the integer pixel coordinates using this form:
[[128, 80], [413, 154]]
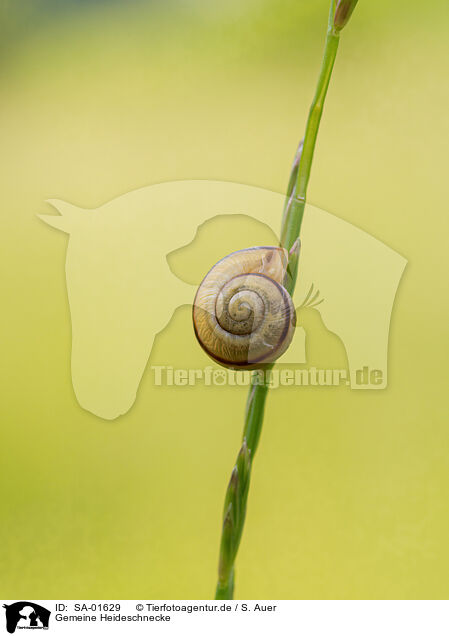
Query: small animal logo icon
[[26, 615]]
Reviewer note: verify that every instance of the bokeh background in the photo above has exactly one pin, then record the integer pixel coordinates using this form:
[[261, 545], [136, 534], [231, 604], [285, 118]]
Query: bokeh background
[[350, 489]]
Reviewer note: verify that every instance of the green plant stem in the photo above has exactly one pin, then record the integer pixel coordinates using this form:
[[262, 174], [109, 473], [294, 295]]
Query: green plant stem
[[236, 496], [296, 198]]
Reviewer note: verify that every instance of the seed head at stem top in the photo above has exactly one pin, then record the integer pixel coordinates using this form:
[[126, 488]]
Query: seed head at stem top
[[343, 12]]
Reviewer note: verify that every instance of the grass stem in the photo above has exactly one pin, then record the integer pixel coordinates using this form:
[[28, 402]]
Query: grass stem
[[237, 492]]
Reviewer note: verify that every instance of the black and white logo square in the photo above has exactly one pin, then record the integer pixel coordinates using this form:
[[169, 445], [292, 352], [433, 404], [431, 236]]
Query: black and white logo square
[[26, 615]]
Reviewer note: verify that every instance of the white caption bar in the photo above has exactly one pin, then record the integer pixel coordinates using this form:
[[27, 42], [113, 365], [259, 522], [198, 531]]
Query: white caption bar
[[311, 618]]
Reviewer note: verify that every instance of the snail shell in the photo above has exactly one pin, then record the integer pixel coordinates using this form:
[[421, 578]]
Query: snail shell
[[242, 315]]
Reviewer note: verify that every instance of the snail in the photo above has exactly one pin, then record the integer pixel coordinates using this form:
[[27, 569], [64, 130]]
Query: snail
[[243, 317]]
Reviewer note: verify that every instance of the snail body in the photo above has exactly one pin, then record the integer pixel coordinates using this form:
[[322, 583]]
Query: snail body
[[243, 316]]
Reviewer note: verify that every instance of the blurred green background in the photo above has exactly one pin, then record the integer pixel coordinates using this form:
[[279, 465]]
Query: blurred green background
[[350, 489]]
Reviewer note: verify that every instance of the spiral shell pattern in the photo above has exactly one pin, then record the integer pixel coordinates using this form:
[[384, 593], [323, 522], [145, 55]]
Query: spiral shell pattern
[[243, 317]]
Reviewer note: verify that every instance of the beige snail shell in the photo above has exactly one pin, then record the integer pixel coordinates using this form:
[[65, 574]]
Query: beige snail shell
[[242, 315]]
